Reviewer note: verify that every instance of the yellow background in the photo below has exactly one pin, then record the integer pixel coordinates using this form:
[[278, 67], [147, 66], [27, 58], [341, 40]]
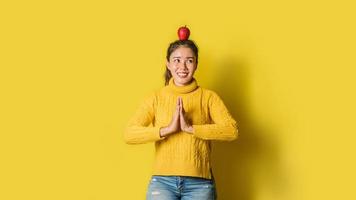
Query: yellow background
[[73, 72]]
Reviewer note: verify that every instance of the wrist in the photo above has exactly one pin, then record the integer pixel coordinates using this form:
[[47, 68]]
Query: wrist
[[189, 129], [164, 131]]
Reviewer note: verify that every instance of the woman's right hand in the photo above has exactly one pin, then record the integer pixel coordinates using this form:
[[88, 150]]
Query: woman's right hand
[[174, 126]]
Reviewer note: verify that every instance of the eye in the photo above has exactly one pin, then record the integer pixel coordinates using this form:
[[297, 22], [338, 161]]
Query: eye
[[176, 60], [190, 61]]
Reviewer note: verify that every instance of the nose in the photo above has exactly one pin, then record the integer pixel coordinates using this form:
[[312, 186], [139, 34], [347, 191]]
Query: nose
[[185, 64]]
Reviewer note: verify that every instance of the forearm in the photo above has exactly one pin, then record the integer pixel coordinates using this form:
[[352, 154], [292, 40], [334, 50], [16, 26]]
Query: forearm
[[142, 134], [164, 132], [215, 132]]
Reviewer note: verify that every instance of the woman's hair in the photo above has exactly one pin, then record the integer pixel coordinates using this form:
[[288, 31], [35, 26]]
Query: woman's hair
[[175, 45]]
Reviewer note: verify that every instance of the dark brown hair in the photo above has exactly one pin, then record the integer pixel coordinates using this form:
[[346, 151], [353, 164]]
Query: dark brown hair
[[175, 45]]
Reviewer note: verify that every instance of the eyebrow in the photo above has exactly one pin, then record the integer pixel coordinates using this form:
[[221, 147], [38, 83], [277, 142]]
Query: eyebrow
[[180, 57]]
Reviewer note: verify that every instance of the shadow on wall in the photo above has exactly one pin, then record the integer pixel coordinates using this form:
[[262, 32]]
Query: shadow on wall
[[253, 156]]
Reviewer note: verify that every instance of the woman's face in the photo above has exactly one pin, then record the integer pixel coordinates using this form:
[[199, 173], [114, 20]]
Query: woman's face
[[182, 65]]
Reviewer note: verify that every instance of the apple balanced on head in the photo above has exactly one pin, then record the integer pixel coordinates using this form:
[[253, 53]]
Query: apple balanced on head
[[183, 33]]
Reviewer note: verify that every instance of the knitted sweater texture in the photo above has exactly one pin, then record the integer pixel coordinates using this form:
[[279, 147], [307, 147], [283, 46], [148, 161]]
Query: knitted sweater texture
[[182, 153]]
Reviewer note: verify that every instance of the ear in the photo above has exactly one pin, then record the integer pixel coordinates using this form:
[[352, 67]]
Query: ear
[[167, 65]]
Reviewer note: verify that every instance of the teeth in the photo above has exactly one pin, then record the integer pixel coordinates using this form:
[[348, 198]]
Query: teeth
[[182, 74]]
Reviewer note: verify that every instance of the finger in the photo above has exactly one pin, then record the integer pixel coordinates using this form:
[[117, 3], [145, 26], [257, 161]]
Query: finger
[[182, 120], [181, 112], [181, 102], [176, 113], [178, 104], [182, 107], [181, 116]]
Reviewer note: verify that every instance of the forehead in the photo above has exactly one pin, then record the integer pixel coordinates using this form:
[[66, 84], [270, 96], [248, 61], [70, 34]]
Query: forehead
[[182, 52]]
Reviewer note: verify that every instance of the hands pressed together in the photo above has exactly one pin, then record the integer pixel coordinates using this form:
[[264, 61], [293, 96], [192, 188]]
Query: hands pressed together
[[178, 123]]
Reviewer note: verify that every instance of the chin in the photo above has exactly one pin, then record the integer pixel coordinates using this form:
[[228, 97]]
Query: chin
[[184, 81]]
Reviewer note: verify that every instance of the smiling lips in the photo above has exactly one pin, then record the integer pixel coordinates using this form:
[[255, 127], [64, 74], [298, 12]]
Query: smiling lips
[[182, 74]]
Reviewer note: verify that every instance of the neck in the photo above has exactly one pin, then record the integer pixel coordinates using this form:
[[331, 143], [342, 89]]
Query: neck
[[182, 85], [189, 87]]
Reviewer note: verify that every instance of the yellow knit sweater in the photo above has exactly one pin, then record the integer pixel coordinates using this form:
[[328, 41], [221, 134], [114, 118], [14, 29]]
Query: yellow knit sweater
[[182, 153]]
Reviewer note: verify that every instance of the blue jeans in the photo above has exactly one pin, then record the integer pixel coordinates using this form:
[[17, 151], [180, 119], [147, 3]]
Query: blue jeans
[[181, 188]]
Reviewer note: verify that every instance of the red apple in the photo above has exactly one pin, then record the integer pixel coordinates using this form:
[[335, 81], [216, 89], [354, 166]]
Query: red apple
[[183, 33]]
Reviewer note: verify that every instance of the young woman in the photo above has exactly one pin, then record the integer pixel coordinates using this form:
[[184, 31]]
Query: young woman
[[185, 118]]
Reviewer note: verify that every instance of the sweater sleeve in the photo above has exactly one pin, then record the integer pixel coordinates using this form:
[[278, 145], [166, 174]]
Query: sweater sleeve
[[223, 126], [138, 129]]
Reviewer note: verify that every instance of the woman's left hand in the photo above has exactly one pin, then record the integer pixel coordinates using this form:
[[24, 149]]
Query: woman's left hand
[[184, 126]]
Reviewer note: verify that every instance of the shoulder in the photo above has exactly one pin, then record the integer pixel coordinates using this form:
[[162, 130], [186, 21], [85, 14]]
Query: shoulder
[[156, 94], [209, 93], [150, 97], [211, 97]]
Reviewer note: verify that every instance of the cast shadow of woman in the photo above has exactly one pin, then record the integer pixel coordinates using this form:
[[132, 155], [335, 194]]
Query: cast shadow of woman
[[237, 164]]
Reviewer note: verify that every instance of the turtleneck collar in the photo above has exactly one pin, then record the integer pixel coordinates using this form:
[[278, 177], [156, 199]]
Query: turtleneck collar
[[183, 89]]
